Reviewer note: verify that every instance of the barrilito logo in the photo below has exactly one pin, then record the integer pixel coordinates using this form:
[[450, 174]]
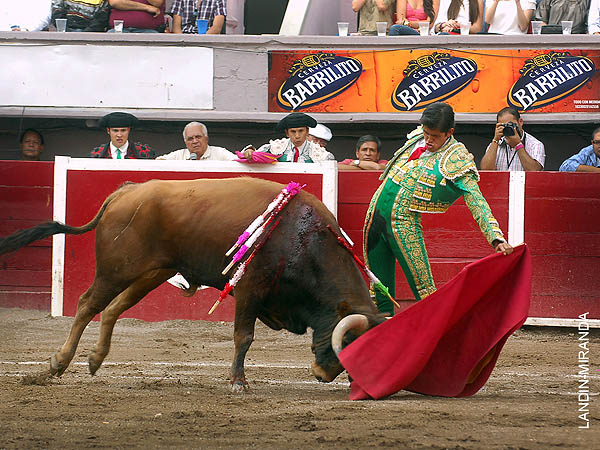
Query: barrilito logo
[[432, 78], [548, 78], [316, 78]]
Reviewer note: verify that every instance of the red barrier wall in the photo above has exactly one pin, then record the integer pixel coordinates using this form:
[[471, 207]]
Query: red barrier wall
[[562, 211], [26, 200], [562, 214]]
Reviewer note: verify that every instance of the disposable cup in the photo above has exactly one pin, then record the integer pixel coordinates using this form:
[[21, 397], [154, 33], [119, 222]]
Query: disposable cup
[[464, 28], [61, 25], [536, 27], [118, 25], [381, 28], [202, 25], [567, 25], [424, 28], [342, 28]]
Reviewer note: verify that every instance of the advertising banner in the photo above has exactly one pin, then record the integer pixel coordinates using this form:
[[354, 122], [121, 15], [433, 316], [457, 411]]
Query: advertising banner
[[471, 81]]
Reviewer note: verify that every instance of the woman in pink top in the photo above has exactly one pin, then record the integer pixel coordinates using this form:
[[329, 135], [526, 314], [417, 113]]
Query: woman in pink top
[[410, 12]]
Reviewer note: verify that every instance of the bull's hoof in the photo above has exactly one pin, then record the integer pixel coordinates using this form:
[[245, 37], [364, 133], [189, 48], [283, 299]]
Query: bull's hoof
[[239, 387], [93, 364], [56, 369]]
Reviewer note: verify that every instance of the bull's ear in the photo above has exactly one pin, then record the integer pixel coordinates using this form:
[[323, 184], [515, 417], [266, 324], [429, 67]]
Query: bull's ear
[[344, 309]]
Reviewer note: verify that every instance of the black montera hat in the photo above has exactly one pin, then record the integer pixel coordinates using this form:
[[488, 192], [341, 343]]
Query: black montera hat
[[118, 119], [296, 120]]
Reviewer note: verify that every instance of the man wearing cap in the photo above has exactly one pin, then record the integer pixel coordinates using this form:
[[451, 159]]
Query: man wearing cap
[[118, 125], [195, 136], [320, 135], [295, 147]]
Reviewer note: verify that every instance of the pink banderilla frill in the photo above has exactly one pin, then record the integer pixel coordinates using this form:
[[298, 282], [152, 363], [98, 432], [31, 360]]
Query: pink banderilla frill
[[284, 196], [241, 270], [254, 232]]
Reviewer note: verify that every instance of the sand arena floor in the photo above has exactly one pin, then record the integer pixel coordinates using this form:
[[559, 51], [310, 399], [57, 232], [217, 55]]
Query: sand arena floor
[[165, 385]]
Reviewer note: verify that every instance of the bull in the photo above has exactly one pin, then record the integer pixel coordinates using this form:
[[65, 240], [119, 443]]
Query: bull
[[145, 233]]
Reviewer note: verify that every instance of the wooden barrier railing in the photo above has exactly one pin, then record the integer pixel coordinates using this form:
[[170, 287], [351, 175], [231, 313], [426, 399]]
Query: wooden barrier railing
[[561, 214]]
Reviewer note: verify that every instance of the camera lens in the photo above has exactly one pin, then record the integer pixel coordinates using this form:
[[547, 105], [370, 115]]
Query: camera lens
[[509, 129]]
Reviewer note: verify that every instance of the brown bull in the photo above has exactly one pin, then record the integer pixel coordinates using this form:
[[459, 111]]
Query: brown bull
[[145, 233]]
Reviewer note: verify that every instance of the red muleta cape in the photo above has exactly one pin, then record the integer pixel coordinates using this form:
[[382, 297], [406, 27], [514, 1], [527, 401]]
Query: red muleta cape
[[448, 343]]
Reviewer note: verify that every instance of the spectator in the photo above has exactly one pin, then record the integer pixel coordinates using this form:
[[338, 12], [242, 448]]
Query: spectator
[[320, 135], [594, 17], [410, 12], [295, 147], [372, 11], [510, 16], [31, 142], [138, 16], [588, 158], [26, 15], [552, 12], [195, 136], [118, 126], [368, 150], [185, 13], [510, 141], [427, 175], [454, 12], [82, 15]]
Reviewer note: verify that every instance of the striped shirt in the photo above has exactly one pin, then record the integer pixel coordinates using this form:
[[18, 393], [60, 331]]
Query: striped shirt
[[508, 159], [189, 12]]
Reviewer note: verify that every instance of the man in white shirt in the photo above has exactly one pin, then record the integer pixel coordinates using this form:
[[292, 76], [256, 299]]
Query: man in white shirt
[[25, 15], [195, 136], [513, 149]]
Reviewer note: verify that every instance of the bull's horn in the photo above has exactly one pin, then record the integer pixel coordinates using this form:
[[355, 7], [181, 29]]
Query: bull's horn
[[357, 322]]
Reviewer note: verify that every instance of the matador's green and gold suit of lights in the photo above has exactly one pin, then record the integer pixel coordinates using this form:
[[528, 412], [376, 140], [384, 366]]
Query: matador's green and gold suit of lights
[[429, 184]]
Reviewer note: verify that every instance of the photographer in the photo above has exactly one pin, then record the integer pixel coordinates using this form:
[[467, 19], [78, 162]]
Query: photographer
[[512, 148]]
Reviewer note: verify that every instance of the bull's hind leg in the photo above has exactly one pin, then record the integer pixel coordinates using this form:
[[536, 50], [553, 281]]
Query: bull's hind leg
[[94, 300], [125, 300]]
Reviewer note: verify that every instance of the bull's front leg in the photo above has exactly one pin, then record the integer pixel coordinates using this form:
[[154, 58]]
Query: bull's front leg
[[243, 335]]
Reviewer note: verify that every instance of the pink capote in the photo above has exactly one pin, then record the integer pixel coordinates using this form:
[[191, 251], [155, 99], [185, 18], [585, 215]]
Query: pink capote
[[258, 157], [446, 344]]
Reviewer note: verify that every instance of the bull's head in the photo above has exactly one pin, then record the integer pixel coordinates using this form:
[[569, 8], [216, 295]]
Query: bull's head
[[327, 366]]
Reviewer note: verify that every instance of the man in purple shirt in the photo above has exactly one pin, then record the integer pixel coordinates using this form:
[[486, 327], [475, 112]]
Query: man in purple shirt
[[186, 12], [588, 158]]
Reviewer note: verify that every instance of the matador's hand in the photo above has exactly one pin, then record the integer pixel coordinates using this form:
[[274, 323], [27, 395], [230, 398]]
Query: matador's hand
[[504, 247]]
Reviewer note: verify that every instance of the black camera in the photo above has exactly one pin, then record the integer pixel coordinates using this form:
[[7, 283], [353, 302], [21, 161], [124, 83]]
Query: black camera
[[510, 128]]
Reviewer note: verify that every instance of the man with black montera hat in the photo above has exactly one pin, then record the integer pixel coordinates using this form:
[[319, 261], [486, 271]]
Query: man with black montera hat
[[294, 147], [118, 125]]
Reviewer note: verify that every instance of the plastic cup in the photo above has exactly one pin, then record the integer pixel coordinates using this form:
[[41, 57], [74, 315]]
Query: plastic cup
[[118, 25], [381, 28], [202, 25], [567, 25], [342, 28], [61, 25], [536, 27], [464, 28], [424, 28]]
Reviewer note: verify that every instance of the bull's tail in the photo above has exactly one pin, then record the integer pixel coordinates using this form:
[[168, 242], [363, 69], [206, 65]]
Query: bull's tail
[[22, 238]]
